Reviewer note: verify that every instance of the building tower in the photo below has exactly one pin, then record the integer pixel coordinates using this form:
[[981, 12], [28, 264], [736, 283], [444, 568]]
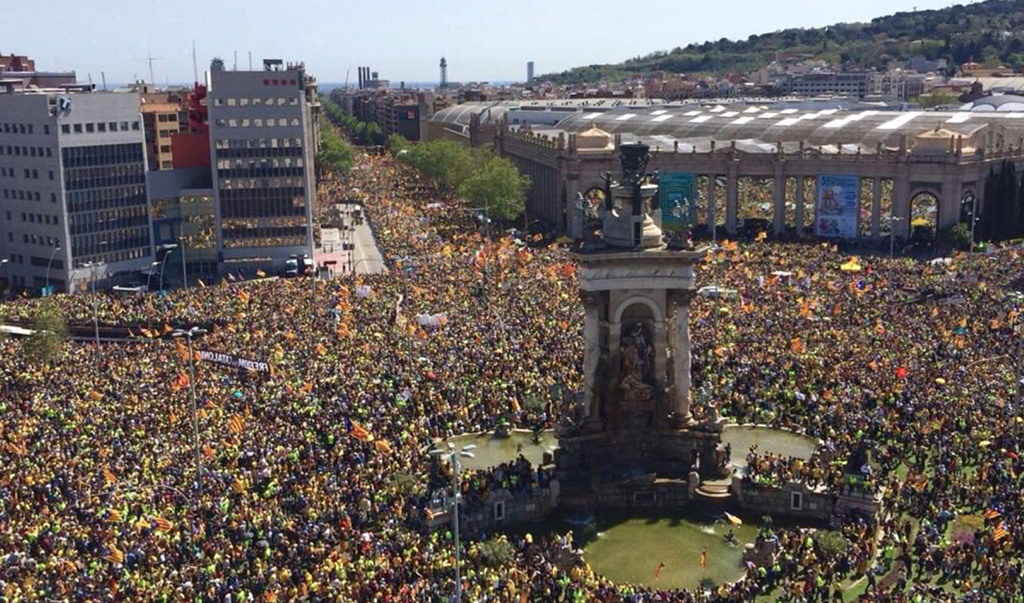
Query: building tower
[[634, 410], [444, 73], [529, 72]]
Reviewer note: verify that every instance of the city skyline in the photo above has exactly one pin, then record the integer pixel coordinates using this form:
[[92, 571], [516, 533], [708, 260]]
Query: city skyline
[[404, 44]]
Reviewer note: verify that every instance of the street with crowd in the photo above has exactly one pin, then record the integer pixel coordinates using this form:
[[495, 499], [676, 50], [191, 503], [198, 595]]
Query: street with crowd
[[313, 478]]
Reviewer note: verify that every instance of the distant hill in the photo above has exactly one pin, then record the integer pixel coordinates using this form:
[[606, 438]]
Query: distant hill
[[988, 32]]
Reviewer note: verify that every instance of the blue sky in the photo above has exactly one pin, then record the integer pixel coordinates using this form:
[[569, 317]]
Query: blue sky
[[401, 39]]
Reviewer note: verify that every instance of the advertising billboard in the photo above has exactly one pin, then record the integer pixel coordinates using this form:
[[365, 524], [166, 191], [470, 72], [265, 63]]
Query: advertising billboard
[[676, 187], [838, 204]]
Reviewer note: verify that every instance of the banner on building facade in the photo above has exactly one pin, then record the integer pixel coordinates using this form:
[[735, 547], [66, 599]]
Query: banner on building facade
[[677, 187], [231, 360], [838, 206]]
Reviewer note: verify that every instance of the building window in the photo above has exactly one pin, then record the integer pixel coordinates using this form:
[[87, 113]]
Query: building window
[[90, 128], [499, 510], [78, 128], [135, 125], [102, 127], [796, 501]]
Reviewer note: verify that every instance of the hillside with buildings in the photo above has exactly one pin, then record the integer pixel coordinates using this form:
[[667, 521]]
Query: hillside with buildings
[[988, 33]]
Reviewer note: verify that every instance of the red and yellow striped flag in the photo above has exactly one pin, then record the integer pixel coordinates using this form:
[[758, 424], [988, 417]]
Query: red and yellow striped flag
[[108, 476], [236, 425], [114, 555], [162, 524]]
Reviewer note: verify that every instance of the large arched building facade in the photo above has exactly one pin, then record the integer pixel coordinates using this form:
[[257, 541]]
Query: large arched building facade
[[828, 172]]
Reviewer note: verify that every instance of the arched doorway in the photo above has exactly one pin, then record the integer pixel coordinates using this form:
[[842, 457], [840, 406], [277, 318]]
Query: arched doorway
[[755, 204], [924, 216]]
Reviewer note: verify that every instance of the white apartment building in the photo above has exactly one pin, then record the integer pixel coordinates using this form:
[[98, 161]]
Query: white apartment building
[[72, 188]]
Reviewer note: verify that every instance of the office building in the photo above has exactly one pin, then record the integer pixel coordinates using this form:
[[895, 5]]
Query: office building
[[855, 84], [529, 72], [263, 146], [73, 188]]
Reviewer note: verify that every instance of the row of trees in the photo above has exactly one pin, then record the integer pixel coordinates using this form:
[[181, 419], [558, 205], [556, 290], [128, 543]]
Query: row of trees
[[1004, 204], [335, 152], [359, 132], [478, 175]]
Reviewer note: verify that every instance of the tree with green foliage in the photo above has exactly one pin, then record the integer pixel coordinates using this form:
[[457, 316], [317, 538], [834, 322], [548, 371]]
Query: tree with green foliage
[[369, 133], [929, 101], [398, 143], [496, 552], [50, 331], [445, 160], [988, 32], [335, 153], [956, 236], [497, 185]]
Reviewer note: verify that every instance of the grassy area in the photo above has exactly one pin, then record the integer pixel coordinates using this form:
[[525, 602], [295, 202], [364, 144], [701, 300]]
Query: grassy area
[[629, 550]]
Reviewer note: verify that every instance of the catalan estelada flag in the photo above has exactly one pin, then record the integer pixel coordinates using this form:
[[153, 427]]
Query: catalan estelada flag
[[357, 431]]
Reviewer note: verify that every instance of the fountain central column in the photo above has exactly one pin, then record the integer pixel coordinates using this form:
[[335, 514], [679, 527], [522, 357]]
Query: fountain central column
[[681, 358]]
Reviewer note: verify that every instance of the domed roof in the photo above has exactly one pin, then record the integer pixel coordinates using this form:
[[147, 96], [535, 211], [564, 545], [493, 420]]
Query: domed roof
[[996, 102], [595, 139]]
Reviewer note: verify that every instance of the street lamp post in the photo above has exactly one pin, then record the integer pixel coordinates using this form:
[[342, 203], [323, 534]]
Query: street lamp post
[[188, 335], [163, 262], [48, 264], [3, 263], [184, 265], [974, 218], [893, 220], [93, 267], [453, 457]]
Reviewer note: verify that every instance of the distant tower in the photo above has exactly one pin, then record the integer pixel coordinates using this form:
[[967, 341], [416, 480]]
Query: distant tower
[[529, 72], [444, 73]]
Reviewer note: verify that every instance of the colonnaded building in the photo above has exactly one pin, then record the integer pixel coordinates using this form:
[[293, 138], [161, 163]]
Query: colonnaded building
[[835, 169]]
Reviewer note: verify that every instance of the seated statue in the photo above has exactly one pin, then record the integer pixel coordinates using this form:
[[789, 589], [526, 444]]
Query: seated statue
[[637, 394]]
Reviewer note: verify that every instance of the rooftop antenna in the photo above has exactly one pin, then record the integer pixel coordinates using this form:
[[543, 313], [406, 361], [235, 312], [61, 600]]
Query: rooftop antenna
[[235, 66], [195, 69], [103, 77], [152, 58], [250, 60]]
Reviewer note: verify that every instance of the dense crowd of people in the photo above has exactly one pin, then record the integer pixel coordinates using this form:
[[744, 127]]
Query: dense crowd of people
[[308, 478]]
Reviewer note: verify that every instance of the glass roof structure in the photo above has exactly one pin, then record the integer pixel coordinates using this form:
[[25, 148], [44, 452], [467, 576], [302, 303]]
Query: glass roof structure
[[754, 126], [759, 129]]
